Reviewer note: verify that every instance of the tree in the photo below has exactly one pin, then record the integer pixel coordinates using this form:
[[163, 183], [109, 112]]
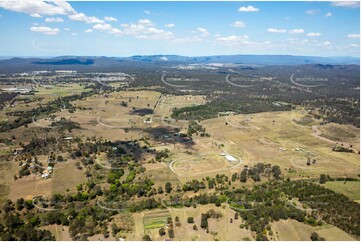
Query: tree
[[20, 204], [171, 233], [315, 237], [168, 187], [147, 238], [161, 231], [59, 158], [323, 179], [256, 177], [195, 227], [276, 172], [160, 190], [243, 176], [190, 220], [204, 221]]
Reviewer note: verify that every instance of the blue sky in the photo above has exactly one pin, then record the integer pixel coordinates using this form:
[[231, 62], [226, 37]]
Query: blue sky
[[36, 28]]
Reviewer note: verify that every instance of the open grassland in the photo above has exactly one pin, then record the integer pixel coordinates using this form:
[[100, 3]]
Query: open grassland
[[350, 189], [59, 90], [342, 134], [106, 117], [66, 176], [292, 230], [42, 95], [274, 138], [200, 165], [165, 105], [160, 173]]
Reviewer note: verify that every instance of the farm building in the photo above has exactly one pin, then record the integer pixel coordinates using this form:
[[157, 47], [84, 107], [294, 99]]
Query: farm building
[[230, 158]]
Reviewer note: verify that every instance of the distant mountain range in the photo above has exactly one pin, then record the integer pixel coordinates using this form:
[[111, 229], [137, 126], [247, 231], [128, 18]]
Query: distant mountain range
[[96, 63]]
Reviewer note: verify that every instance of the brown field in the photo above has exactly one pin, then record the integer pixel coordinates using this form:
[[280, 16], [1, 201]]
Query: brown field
[[274, 138], [30, 186], [292, 230], [60, 232], [66, 176]]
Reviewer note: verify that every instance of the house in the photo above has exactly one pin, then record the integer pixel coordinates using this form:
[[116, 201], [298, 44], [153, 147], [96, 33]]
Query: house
[[45, 175], [148, 121]]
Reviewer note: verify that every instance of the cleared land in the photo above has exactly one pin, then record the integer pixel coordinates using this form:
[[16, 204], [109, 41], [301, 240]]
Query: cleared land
[[350, 189], [292, 230]]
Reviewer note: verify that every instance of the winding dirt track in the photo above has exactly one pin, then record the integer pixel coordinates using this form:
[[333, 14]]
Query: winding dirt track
[[316, 132]]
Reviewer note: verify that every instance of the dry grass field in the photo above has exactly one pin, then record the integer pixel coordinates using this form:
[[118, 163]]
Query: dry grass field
[[292, 230], [350, 189], [274, 138]]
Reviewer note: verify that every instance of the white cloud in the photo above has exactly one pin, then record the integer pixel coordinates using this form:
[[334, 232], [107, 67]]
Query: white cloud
[[45, 30], [146, 11], [36, 15], [248, 9], [354, 45], [191, 39], [144, 29], [103, 27], [314, 34], [81, 17], [110, 19], [115, 31], [346, 4], [353, 36], [296, 31], [66, 29], [326, 43], [145, 22], [169, 25], [329, 14], [74, 34], [233, 40], [54, 20], [273, 30], [88, 31], [239, 24], [38, 8], [241, 41], [203, 31], [312, 11]]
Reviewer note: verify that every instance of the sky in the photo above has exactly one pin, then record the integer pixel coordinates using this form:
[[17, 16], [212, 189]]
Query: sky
[[54, 28]]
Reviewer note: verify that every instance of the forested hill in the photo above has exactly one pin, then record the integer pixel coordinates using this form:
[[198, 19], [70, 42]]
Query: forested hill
[[101, 63]]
